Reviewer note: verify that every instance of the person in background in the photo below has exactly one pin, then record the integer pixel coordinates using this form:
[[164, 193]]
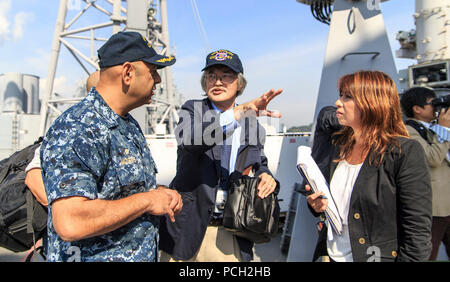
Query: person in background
[[99, 176], [33, 179], [33, 176], [377, 179], [420, 113], [326, 125], [92, 80]]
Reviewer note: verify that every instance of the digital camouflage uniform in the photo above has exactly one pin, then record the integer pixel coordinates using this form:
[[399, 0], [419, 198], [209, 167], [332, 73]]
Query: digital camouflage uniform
[[92, 152]]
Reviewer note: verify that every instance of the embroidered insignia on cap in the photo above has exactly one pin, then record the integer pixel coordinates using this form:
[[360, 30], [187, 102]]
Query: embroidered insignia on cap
[[220, 56]]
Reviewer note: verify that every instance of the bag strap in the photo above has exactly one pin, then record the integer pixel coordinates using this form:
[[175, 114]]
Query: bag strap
[[240, 162], [419, 128], [30, 211], [247, 170], [30, 216], [36, 251]]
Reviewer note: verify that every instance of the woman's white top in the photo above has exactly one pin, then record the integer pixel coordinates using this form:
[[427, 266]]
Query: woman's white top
[[341, 187]]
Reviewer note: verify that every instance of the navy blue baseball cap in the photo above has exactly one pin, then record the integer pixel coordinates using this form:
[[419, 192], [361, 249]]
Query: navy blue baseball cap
[[226, 58], [130, 46]]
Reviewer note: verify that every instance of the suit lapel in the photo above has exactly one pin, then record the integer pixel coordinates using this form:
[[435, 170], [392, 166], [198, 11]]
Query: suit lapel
[[366, 172], [216, 151], [368, 177]]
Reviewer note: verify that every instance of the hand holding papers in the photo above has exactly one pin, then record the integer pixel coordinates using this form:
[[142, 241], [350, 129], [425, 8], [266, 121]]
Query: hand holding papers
[[308, 168]]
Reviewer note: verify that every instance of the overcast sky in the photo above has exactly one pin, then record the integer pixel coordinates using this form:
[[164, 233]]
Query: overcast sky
[[279, 42]]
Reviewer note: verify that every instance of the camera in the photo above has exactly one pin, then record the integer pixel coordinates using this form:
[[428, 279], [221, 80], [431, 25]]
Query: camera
[[442, 101]]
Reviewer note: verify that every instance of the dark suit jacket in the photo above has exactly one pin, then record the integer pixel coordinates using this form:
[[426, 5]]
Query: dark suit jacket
[[198, 172], [390, 207], [327, 124]]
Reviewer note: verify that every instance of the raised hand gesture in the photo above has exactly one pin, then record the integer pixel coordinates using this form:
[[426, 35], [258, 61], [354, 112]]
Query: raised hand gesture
[[258, 106]]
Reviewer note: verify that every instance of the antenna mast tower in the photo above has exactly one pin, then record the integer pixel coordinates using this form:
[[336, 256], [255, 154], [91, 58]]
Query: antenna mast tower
[[123, 15]]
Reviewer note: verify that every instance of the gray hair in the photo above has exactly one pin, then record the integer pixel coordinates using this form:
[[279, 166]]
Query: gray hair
[[242, 83]]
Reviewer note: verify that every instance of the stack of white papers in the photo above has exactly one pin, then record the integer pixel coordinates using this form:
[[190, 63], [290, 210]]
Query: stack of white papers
[[309, 170]]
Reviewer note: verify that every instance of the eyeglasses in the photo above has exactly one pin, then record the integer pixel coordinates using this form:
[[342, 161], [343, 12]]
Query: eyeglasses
[[225, 78]]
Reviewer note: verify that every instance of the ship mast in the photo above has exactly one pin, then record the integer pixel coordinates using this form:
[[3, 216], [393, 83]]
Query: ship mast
[[124, 15], [349, 48]]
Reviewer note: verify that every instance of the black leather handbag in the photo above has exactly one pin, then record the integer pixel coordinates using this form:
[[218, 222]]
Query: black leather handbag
[[247, 215]]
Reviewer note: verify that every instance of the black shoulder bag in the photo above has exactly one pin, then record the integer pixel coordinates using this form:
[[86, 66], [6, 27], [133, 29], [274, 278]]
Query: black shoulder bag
[[245, 214]]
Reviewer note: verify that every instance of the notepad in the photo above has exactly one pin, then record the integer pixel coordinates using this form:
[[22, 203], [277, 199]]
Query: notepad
[[309, 170]]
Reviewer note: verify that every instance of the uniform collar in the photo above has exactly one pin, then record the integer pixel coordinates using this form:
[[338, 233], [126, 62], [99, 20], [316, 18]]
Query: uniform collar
[[102, 108]]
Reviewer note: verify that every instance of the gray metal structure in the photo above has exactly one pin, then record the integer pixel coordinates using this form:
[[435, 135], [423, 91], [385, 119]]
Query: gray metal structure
[[130, 15], [429, 44], [357, 40], [19, 92], [19, 111]]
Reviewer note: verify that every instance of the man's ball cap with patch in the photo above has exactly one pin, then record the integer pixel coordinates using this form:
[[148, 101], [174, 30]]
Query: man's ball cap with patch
[[226, 58], [130, 47]]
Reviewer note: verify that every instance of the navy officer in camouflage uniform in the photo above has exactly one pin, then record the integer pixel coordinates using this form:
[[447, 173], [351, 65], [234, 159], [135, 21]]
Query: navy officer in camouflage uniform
[[98, 172]]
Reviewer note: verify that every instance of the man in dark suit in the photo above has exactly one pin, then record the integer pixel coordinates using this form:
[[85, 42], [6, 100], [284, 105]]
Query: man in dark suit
[[211, 134]]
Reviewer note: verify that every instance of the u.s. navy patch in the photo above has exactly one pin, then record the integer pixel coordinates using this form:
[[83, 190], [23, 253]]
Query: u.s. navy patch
[[220, 56]]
